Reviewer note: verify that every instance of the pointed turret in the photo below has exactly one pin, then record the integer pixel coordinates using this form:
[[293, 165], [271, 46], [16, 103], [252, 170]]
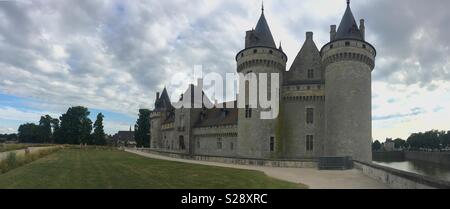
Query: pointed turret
[[348, 29], [163, 102], [261, 35]]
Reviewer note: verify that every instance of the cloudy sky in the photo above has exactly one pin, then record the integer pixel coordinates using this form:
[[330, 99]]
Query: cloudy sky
[[112, 55]]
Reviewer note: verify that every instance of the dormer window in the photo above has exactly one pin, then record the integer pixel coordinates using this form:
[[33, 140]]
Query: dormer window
[[311, 74]]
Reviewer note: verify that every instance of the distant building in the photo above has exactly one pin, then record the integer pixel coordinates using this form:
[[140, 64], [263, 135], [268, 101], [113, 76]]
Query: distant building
[[125, 138], [389, 145]]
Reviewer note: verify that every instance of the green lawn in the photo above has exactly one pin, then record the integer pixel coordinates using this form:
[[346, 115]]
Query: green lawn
[[105, 169]]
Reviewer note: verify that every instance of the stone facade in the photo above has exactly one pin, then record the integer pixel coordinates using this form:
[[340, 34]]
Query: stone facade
[[325, 103]]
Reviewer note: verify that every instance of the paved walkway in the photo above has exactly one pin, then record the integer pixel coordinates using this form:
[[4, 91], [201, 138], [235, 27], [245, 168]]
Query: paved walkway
[[315, 179], [20, 152]]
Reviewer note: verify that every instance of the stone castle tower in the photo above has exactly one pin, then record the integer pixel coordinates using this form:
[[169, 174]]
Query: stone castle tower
[[259, 56], [348, 60], [324, 109]]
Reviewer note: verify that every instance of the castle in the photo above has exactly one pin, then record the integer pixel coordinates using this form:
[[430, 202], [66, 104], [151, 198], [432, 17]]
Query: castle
[[325, 103]]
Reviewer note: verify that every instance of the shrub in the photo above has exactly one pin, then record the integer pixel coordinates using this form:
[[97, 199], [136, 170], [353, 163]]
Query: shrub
[[12, 161]]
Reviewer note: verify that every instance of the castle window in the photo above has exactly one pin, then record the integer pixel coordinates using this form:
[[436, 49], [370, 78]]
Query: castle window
[[219, 143], [198, 143], [248, 111], [271, 52], [319, 87], [308, 87], [181, 143], [242, 54], [255, 51], [347, 43], [331, 46], [272, 144], [364, 46], [231, 146], [311, 74], [309, 143], [309, 115]]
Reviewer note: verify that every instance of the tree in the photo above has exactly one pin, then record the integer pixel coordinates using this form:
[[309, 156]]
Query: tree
[[29, 133], [376, 145], [445, 140], [45, 129], [142, 128], [428, 140], [56, 130], [75, 127], [399, 143], [98, 136]]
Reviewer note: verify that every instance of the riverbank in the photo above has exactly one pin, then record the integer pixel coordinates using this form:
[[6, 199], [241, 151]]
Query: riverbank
[[442, 158]]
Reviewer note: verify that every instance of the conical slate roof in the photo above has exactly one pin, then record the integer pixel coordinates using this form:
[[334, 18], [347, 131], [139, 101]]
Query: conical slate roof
[[263, 34], [348, 29], [163, 102]]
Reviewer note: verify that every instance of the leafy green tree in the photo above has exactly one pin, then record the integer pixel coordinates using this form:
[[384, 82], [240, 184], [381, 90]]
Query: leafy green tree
[[45, 129], [376, 145], [445, 139], [75, 127], [55, 126], [29, 133], [429, 140], [142, 128], [99, 134], [399, 143]]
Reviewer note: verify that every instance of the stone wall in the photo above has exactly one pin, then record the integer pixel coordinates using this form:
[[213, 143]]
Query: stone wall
[[398, 179], [295, 129], [220, 141], [433, 157], [300, 163]]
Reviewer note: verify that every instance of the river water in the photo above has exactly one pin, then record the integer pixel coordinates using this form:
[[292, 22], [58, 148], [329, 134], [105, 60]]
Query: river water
[[434, 170]]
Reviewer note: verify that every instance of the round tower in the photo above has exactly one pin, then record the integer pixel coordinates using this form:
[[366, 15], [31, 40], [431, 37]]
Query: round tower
[[348, 61], [155, 129], [257, 138]]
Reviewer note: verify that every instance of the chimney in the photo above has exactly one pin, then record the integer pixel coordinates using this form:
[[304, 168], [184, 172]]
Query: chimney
[[309, 35], [332, 32], [248, 38], [362, 28], [157, 95]]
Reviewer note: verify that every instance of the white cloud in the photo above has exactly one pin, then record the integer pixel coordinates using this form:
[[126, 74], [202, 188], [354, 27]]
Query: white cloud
[[114, 55], [11, 113]]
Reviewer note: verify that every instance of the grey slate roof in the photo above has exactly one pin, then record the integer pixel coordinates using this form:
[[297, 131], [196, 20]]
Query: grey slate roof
[[163, 102], [219, 116], [307, 58], [348, 29], [262, 35]]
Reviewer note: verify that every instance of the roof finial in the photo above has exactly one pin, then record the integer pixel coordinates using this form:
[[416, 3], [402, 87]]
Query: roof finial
[[262, 6], [348, 2]]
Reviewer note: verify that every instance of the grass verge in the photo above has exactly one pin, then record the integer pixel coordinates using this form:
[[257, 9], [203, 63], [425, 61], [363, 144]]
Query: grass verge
[[13, 161], [113, 169]]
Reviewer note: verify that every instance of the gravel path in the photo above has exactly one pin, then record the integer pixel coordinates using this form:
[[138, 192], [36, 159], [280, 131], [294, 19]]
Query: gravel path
[[315, 179]]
